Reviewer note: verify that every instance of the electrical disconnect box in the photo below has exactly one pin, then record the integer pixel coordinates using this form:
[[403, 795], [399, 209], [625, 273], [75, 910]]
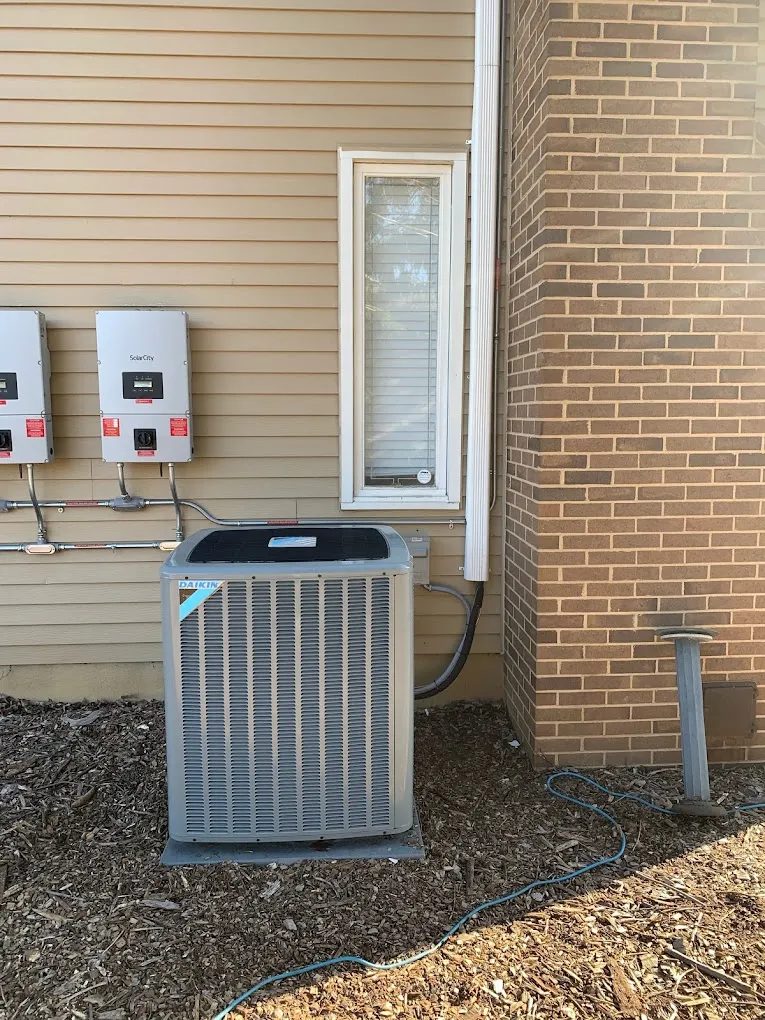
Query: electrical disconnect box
[[419, 550], [26, 435], [143, 383]]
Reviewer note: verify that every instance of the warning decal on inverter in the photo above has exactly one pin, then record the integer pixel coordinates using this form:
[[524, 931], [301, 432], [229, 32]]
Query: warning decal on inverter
[[35, 428], [179, 426], [111, 426]]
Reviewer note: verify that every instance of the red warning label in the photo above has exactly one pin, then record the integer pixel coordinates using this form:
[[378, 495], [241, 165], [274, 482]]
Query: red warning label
[[179, 426], [35, 428], [5, 453], [145, 453], [111, 426], [144, 400]]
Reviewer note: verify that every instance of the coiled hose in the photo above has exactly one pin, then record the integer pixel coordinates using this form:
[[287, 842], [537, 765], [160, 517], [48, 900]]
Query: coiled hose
[[488, 904]]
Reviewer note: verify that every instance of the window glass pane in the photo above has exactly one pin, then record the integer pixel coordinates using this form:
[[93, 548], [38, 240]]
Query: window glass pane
[[401, 271]]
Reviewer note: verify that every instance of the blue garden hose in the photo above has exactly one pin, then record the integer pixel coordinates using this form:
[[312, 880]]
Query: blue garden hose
[[507, 898]]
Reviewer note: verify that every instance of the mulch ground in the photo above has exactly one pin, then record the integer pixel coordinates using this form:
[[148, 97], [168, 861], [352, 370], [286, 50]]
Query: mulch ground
[[93, 927]]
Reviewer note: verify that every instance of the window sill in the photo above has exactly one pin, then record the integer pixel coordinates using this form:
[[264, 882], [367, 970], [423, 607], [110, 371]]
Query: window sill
[[408, 502]]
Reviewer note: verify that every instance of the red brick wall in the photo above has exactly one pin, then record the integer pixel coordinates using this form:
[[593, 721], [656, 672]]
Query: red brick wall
[[645, 307], [527, 54]]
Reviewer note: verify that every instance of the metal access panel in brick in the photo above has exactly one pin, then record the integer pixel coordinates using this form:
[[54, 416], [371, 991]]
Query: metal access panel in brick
[[26, 430], [730, 709], [144, 385]]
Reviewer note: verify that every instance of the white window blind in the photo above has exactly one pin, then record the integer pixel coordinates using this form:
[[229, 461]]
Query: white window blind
[[402, 264], [401, 320]]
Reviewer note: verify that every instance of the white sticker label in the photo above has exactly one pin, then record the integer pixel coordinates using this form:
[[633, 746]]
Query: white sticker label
[[293, 542]]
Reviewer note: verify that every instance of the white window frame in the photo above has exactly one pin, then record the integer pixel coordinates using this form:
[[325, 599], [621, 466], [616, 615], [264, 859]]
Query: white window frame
[[450, 167]]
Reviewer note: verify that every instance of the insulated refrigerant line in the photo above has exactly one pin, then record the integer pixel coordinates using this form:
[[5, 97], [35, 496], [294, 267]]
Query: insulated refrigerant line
[[453, 670]]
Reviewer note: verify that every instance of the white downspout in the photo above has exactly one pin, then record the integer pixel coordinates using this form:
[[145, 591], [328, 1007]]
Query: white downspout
[[483, 243]]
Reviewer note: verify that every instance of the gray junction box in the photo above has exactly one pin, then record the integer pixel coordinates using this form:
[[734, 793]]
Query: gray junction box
[[419, 550]]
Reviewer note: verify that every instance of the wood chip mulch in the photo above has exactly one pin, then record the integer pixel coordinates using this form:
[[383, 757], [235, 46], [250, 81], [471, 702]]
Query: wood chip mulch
[[93, 927]]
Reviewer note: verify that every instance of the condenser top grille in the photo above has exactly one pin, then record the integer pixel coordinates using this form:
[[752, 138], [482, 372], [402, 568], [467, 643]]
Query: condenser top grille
[[290, 545]]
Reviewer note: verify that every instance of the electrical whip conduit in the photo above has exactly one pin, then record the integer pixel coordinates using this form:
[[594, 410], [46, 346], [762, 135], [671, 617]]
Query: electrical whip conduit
[[126, 502]]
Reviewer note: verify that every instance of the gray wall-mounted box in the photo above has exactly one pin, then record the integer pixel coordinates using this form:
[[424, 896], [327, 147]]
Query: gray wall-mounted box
[[419, 550], [143, 384], [26, 433]]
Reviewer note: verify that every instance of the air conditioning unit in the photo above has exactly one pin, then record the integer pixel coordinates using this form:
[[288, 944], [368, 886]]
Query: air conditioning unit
[[289, 684]]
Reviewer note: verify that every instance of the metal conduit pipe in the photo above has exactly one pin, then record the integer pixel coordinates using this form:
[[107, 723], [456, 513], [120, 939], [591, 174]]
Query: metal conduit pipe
[[24, 504], [126, 501], [166, 544], [48, 548], [121, 481], [176, 503], [223, 522], [41, 532]]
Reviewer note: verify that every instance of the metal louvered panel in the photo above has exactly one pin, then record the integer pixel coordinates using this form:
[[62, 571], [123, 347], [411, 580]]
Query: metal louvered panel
[[286, 708], [194, 770]]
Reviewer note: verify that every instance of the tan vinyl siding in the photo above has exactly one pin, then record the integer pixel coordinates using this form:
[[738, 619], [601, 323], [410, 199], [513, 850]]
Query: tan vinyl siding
[[184, 154], [760, 85]]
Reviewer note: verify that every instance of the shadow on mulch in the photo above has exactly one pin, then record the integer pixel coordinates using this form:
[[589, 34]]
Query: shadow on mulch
[[94, 927]]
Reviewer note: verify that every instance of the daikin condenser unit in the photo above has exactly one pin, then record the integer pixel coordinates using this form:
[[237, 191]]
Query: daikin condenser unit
[[288, 684]]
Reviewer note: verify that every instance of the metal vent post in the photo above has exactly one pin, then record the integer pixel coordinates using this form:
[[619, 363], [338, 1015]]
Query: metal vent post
[[692, 733]]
